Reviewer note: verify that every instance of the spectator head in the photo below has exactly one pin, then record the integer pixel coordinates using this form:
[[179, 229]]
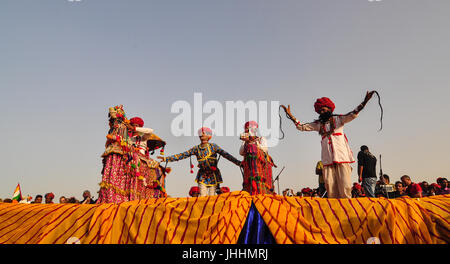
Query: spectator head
[[49, 197], [385, 179], [86, 194], [7, 200], [73, 200], [434, 187], [424, 185], [406, 180], [443, 183], [38, 199], [399, 186], [194, 191], [62, 199], [356, 186], [315, 193], [364, 148], [224, 189], [307, 191]]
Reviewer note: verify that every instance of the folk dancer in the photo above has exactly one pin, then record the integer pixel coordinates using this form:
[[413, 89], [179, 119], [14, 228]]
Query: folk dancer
[[257, 164], [208, 176], [145, 168], [336, 154]]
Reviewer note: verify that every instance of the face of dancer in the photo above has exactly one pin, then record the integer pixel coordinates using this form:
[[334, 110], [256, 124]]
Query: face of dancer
[[251, 136], [324, 114], [204, 138]]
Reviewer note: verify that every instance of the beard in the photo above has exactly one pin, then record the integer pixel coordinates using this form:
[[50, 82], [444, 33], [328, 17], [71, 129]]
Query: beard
[[325, 116]]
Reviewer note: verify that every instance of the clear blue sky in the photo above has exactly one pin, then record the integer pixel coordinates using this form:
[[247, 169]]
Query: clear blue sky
[[62, 64]]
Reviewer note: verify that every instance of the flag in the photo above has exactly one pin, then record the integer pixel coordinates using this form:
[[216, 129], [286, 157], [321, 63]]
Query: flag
[[17, 194]]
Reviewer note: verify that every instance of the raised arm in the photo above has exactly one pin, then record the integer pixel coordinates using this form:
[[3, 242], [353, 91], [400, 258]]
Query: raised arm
[[313, 126]]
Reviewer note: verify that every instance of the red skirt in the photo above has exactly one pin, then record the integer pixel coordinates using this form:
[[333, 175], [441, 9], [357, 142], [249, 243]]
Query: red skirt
[[257, 171], [115, 185]]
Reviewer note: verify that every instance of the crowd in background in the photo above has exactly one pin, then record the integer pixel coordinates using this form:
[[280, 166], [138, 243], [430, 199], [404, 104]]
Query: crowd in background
[[384, 188], [49, 198]]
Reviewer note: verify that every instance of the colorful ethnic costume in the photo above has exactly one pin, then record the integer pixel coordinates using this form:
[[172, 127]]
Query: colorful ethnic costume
[[208, 175], [123, 161], [257, 164], [145, 183], [336, 152]]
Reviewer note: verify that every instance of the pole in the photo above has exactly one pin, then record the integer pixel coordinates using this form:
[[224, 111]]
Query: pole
[[278, 179]]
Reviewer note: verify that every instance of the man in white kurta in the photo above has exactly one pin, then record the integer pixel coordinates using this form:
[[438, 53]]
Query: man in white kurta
[[336, 154]]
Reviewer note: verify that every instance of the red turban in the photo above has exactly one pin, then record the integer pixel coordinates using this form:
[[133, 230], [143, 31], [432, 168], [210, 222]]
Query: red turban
[[251, 124], [205, 130], [224, 189], [193, 190], [138, 121], [306, 190], [357, 186], [324, 101], [49, 196]]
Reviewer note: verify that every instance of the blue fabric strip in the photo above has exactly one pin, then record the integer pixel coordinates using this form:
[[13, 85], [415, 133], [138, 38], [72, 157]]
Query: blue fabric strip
[[255, 230]]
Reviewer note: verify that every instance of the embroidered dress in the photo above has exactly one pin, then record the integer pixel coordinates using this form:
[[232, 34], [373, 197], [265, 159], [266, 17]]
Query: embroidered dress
[[141, 176], [257, 167], [208, 173], [115, 184]]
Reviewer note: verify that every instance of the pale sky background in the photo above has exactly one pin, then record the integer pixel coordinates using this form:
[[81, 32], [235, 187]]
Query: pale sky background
[[62, 64]]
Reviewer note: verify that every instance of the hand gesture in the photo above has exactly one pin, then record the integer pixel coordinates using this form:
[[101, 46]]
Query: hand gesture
[[288, 111], [368, 96]]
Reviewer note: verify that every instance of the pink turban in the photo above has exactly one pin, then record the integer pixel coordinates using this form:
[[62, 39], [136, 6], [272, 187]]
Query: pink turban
[[205, 130]]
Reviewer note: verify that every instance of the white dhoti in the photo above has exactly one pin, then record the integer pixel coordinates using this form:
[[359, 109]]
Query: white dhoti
[[207, 190], [337, 179]]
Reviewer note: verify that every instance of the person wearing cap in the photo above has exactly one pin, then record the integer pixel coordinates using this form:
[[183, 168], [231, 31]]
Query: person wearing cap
[[336, 154], [257, 164], [208, 176]]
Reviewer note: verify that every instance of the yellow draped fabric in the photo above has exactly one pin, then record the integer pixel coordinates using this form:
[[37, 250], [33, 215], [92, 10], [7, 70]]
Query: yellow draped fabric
[[220, 219], [354, 221]]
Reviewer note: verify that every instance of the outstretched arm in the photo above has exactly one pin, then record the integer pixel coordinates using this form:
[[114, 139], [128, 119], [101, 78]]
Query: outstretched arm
[[363, 104], [353, 114], [302, 127], [226, 155], [178, 157]]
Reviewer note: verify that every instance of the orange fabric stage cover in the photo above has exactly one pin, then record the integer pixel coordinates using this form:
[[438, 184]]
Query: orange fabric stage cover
[[220, 219]]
